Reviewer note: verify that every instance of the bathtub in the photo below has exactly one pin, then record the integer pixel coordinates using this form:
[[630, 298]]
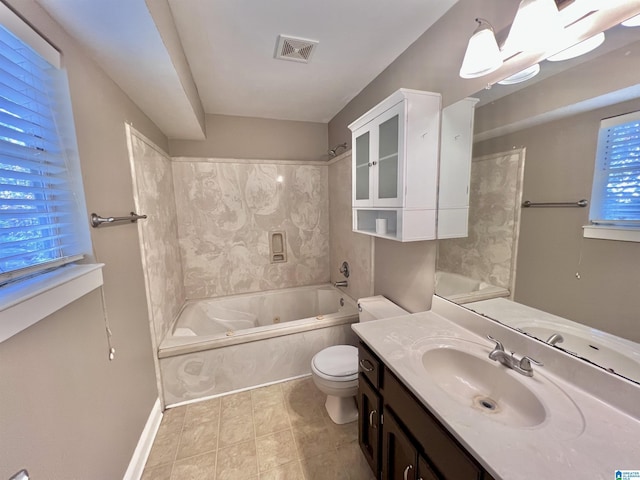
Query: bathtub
[[231, 343], [461, 289]]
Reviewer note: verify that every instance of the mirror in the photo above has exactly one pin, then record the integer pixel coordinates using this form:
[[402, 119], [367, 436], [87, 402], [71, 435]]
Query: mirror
[[531, 268]]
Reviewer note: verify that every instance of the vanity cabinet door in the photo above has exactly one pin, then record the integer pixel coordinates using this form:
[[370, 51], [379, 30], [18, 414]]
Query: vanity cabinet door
[[424, 470], [369, 431], [400, 456]]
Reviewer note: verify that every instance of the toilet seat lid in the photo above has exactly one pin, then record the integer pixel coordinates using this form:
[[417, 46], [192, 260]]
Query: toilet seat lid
[[337, 361]]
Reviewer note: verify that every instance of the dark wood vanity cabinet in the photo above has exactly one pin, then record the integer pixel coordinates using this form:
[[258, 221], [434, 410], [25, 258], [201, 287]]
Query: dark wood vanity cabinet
[[400, 438]]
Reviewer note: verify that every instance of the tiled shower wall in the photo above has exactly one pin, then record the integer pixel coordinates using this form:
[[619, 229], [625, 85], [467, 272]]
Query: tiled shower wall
[[489, 252], [154, 197], [226, 211], [354, 248]]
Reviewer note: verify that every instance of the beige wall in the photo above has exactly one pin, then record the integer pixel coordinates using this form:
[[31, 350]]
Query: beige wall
[[65, 410], [256, 138], [559, 167]]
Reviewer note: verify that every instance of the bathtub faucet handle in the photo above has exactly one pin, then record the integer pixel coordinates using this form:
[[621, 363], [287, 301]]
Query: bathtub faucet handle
[[344, 269]]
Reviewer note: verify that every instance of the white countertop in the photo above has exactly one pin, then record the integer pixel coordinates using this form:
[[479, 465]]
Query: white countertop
[[583, 436]]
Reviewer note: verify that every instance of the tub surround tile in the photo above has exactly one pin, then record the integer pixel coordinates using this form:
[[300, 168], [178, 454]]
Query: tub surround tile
[[154, 197], [225, 213], [355, 248], [488, 253], [216, 371], [275, 450], [237, 461]]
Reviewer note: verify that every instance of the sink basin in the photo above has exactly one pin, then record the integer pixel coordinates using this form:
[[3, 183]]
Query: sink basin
[[484, 386]]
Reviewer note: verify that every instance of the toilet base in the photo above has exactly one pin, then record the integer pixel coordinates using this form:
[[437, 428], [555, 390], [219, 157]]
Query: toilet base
[[341, 410]]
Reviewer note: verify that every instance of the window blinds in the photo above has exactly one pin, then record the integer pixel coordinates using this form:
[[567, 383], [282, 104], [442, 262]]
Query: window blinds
[[616, 186], [37, 201]]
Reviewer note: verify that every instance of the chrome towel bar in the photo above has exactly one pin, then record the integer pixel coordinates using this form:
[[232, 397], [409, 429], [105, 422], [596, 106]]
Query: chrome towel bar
[[579, 203], [97, 220]]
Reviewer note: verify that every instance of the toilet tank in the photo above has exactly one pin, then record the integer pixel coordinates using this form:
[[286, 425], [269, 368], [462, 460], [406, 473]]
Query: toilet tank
[[374, 308]]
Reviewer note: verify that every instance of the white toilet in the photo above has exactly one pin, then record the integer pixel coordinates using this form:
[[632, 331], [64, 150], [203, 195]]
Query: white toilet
[[335, 369]]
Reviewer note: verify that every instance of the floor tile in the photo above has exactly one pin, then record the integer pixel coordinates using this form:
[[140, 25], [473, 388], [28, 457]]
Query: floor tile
[[271, 418], [342, 434], [207, 411], [275, 450], [234, 405], [352, 463], [162, 472], [265, 396], [237, 461], [313, 438], [321, 467], [235, 430], [195, 468], [290, 471], [197, 439], [164, 449]]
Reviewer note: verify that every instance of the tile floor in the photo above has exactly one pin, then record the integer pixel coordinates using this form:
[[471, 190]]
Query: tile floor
[[277, 432]]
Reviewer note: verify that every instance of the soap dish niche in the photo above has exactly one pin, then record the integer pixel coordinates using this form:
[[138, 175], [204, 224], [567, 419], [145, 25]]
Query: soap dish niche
[[278, 247]]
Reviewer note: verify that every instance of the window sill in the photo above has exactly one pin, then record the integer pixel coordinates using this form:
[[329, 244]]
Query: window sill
[[27, 302], [607, 232]]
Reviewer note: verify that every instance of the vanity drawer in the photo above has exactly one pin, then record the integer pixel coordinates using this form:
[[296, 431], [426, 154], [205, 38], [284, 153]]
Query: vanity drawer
[[440, 447], [369, 365]]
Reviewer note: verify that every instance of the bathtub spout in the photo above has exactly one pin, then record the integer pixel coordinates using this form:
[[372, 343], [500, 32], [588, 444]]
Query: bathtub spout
[[342, 283]]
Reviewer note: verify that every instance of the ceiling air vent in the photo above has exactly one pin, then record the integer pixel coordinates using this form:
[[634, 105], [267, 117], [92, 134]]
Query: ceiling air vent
[[295, 49]]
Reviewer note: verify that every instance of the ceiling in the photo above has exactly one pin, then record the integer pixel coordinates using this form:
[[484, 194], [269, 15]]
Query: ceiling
[[193, 57]]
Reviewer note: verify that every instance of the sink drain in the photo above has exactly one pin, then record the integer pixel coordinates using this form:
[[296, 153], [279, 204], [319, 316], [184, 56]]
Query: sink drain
[[486, 404]]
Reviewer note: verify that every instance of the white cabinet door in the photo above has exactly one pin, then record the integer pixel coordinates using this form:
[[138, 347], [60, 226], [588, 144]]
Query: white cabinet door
[[378, 166]]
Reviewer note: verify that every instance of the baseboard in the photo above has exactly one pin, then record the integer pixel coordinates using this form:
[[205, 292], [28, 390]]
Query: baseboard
[[141, 453]]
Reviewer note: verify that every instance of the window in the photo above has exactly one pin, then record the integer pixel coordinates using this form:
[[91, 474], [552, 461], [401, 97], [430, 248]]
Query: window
[[43, 222], [615, 198]]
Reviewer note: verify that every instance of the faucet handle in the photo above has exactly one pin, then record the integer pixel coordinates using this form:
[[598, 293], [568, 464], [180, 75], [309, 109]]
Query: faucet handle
[[499, 345], [525, 363]]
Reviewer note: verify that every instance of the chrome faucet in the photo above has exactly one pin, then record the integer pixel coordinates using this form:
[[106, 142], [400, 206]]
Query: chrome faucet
[[522, 366], [555, 338], [341, 283]]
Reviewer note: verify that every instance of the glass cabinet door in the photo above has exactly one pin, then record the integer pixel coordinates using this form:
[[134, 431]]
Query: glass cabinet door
[[362, 170], [388, 159]]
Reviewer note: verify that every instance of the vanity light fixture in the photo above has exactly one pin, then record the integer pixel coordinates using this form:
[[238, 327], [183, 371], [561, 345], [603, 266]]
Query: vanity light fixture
[[537, 24], [521, 76], [579, 48], [632, 22], [483, 54]]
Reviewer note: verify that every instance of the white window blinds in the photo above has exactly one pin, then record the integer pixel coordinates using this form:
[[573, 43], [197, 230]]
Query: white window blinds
[[615, 198], [37, 195]]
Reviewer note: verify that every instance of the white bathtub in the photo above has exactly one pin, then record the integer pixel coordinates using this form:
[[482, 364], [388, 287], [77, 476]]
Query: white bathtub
[[461, 289], [229, 343]]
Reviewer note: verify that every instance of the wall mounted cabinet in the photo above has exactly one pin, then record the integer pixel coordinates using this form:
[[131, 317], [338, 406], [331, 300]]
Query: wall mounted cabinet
[[455, 168], [395, 166], [396, 154]]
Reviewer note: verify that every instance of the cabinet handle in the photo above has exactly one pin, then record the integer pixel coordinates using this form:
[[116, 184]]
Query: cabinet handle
[[371, 414], [366, 365], [406, 472], [374, 162]]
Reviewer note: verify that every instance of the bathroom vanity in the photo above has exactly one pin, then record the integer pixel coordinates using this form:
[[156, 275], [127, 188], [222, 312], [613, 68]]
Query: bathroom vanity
[[433, 405]]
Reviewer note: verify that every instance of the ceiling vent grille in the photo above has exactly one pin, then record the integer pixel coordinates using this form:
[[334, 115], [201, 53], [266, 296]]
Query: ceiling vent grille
[[295, 49]]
